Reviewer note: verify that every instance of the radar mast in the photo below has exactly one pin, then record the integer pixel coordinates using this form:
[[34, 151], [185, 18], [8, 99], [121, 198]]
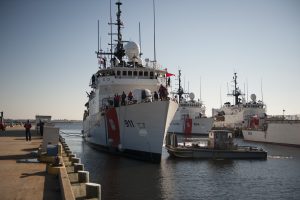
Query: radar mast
[[119, 51], [236, 92]]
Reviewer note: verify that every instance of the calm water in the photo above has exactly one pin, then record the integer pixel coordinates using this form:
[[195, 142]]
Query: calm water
[[278, 177]]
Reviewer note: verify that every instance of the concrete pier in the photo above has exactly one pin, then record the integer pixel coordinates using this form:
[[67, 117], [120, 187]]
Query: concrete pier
[[22, 176], [77, 180]]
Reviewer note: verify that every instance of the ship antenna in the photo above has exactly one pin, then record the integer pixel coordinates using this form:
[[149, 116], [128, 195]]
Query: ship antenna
[[247, 89], [200, 90], [98, 36], [100, 45], [227, 88], [140, 40], [235, 89], [244, 89], [236, 93], [154, 30], [120, 52], [261, 89], [180, 90], [111, 44], [99, 50], [184, 83], [220, 96]]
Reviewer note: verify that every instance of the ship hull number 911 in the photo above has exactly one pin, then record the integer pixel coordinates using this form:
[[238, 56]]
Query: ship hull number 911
[[128, 123]]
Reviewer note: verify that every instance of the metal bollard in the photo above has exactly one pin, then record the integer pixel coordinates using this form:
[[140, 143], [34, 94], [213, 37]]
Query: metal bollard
[[72, 156], [78, 167], [61, 139], [75, 160], [93, 190], [68, 152], [83, 176]]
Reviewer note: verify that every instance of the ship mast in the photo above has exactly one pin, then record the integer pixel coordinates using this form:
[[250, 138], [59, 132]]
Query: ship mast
[[119, 52], [180, 91], [236, 92]]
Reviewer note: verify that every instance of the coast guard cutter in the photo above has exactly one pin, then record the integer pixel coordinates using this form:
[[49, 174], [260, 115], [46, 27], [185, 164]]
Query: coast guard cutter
[[122, 116]]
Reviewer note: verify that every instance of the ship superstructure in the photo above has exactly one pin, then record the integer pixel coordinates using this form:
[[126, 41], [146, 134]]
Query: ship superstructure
[[128, 111], [190, 118], [236, 116]]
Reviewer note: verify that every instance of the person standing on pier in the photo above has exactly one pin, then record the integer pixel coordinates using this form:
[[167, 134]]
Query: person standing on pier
[[27, 127], [41, 127]]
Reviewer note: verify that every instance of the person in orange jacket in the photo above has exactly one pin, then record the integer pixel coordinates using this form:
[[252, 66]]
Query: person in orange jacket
[[27, 127]]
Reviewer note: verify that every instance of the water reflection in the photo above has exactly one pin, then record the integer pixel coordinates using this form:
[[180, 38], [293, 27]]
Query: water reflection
[[123, 178]]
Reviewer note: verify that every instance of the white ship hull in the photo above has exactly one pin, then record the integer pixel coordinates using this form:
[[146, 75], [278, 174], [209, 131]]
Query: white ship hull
[[140, 127], [200, 126], [237, 117], [284, 133]]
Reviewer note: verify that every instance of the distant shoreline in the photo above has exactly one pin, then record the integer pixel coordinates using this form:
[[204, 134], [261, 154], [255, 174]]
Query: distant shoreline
[[34, 120]]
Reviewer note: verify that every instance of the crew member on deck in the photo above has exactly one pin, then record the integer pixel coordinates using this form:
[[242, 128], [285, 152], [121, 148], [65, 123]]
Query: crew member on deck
[[130, 96], [155, 96], [123, 97], [116, 100], [163, 93]]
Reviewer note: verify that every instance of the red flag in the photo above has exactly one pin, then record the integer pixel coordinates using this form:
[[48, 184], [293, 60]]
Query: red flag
[[169, 74]]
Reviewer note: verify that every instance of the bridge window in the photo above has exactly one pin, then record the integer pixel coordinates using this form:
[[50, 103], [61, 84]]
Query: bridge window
[[145, 73], [129, 73], [151, 74], [124, 73], [135, 73], [118, 73], [140, 73]]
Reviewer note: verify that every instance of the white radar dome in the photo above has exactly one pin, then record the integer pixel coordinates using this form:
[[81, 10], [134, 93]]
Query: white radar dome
[[253, 97], [192, 96], [132, 50]]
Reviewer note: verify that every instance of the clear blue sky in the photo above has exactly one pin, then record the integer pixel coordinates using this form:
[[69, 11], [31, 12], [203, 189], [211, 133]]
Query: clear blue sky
[[47, 50]]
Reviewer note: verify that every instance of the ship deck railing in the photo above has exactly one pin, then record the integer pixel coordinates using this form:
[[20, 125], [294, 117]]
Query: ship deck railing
[[132, 102]]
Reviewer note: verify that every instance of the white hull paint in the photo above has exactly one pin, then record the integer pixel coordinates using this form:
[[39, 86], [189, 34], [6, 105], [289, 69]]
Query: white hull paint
[[123, 114], [200, 126], [238, 116], [284, 133], [142, 126]]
